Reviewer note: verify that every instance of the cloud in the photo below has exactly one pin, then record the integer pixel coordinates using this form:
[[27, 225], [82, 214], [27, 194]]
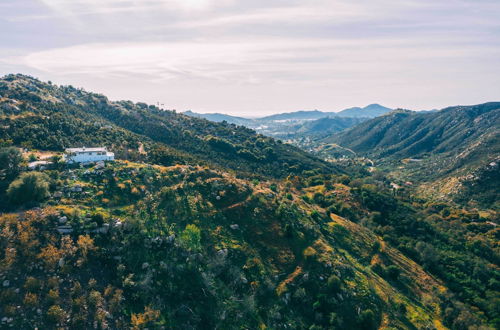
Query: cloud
[[255, 60], [266, 52], [79, 7]]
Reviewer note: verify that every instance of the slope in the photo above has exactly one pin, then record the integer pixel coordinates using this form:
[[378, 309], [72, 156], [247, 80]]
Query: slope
[[188, 247], [457, 143]]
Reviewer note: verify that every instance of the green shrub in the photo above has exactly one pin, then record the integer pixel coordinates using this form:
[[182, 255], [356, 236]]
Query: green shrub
[[334, 284], [191, 238], [29, 187], [393, 272]]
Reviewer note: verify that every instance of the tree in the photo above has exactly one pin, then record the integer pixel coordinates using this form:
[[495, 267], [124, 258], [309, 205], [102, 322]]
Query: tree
[[367, 320], [393, 272], [191, 237], [10, 161], [56, 314], [29, 187]]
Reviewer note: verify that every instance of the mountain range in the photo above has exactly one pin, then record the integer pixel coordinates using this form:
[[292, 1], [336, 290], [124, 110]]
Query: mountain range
[[459, 143], [292, 124], [370, 111]]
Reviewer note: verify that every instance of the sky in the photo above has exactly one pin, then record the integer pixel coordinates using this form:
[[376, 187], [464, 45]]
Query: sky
[[257, 57]]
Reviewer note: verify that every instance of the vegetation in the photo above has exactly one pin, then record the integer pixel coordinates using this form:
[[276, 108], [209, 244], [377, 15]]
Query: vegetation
[[29, 187]]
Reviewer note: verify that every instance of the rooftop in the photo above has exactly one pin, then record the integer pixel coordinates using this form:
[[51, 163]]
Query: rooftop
[[85, 149]]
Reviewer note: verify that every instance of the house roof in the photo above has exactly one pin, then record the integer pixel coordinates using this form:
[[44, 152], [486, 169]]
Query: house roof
[[85, 149]]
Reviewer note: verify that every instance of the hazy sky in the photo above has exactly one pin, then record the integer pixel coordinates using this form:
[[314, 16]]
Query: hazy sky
[[252, 57]]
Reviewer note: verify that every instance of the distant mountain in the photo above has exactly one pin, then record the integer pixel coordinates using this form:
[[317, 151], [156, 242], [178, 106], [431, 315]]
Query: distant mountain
[[325, 126], [302, 123], [370, 111], [220, 117], [406, 133], [296, 115], [461, 144]]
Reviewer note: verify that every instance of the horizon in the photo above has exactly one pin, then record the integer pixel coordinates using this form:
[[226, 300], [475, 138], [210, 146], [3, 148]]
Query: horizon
[[261, 58], [243, 115]]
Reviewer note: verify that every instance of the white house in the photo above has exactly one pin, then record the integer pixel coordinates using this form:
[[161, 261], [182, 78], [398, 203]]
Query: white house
[[86, 155]]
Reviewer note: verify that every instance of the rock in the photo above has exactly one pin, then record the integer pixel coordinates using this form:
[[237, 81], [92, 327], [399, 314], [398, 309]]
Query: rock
[[6, 283], [104, 229], [234, 226], [222, 253], [171, 239], [100, 164], [61, 262], [63, 220], [145, 265], [64, 229]]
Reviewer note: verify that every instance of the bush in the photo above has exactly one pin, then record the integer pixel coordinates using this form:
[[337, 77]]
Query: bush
[[334, 284], [56, 314], [191, 237], [29, 187], [393, 272], [367, 320]]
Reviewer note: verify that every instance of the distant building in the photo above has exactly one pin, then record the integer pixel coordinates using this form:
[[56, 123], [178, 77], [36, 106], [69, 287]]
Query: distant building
[[87, 155]]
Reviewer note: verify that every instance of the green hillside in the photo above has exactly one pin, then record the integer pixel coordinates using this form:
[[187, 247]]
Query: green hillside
[[458, 146]]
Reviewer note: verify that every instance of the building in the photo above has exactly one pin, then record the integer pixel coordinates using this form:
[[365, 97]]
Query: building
[[86, 155]]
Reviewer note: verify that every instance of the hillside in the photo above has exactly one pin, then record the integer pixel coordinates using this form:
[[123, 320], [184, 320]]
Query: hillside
[[456, 143], [43, 116], [189, 247], [370, 111], [325, 126], [220, 117]]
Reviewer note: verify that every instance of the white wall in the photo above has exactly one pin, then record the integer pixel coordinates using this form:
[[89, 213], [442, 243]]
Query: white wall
[[89, 157]]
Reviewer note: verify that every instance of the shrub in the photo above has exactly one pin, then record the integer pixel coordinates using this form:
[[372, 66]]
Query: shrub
[[56, 314], [29, 187], [393, 272], [334, 284], [367, 320], [191, 237]]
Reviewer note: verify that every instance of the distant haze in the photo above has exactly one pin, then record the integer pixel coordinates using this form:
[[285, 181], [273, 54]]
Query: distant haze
[[254, 58]]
